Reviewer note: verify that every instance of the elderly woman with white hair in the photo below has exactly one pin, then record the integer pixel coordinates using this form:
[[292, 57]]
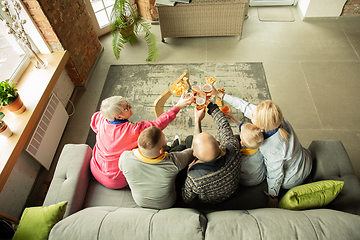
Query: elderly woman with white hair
[[116, 134]]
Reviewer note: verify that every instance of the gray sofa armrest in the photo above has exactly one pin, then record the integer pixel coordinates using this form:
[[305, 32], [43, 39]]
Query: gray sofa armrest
[[71, 178], [331, 162]]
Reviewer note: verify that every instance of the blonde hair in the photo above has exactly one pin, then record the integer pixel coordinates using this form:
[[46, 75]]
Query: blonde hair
[[251, 136], [112, 106], [269, 116]]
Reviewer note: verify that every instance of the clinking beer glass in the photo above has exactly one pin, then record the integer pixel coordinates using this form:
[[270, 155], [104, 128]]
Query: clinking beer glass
[[195, 88], [188, 94], [200, 100], [208, 89]]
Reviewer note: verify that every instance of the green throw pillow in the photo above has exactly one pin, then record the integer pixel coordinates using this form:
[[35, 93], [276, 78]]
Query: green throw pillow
[[36, 222], [311, 195]]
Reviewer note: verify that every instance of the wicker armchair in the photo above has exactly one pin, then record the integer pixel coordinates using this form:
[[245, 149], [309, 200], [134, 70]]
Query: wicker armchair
[[202, 18]]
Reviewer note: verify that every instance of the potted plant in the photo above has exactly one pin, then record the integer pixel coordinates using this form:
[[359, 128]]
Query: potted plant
[[126, 23], [10, 98], [4, 128]]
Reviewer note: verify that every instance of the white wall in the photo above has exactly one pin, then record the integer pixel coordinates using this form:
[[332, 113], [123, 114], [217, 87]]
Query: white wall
[[320, 8], [303, 5], [64, 88]]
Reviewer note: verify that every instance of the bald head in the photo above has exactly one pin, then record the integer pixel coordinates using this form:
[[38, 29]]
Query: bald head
[[205, 147]]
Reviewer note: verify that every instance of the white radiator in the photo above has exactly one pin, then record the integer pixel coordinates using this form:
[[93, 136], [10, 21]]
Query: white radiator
[[46, 137]]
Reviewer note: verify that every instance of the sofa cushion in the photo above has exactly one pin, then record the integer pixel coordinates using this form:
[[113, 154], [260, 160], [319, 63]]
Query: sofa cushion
[[311, 195], [98, 195], [277, 223], [331, 161], [131, 223], [36, 222]]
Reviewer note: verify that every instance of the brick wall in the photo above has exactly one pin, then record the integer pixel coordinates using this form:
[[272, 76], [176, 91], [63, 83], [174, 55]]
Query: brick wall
[[147, 9], [66, 25], [351, 7]]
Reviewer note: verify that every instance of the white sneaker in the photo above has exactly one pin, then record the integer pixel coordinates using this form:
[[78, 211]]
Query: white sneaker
[[174, 143]]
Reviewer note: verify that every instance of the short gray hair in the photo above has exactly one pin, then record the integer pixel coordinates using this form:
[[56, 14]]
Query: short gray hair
[[112, 106]]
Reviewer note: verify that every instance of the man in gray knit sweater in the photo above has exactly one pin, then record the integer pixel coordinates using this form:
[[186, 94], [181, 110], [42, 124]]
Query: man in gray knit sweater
[[214, 176]]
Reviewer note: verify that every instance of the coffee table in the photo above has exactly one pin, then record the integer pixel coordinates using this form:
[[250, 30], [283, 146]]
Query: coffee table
[[192, 75]]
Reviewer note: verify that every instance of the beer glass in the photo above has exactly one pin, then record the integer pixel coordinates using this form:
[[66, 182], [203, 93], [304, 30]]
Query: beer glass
[[200, 100], [207, 89], [195, 88]]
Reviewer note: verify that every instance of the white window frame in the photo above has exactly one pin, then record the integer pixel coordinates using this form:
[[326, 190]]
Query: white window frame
[[99, 31], [36, 37]]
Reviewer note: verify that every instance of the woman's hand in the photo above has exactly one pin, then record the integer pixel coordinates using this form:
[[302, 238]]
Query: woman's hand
[[217, 93], [230, 113], [184, 101]]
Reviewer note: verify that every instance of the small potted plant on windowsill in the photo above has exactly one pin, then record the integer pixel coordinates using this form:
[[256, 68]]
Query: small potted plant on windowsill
[[9, 97], [4, 128]]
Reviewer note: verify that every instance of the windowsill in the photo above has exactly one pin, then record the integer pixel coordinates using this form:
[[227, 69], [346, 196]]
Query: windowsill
[[34, 87]]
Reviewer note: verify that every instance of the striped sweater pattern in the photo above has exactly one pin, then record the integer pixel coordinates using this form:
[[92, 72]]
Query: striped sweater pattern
[[217, 186]]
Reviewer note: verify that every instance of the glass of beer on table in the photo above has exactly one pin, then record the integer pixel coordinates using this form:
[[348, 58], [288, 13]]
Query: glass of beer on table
[[200, 100], [207, 89]]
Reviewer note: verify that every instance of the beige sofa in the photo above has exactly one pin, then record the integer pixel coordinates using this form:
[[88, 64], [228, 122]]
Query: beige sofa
[[202, 18]]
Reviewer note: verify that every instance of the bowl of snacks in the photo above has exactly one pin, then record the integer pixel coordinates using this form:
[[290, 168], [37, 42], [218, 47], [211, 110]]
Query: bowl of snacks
[[178, 88], [211, 80]]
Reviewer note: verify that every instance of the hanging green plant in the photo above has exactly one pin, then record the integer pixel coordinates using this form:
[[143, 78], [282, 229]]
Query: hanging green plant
[[126, 24]]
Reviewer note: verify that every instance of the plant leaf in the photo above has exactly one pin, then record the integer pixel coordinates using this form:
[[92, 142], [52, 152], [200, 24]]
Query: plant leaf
[[117, 43], [152, 46], [150, 39]]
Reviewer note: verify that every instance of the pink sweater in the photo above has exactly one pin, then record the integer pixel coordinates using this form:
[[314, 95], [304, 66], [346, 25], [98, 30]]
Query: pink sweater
[[113, 139]]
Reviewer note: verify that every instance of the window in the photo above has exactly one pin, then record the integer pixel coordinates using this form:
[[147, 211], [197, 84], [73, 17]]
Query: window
[[102, 10], [11, 54], [13, 57]]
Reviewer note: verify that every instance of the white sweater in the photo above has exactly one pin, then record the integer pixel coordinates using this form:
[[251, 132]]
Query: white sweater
[[287, 162]]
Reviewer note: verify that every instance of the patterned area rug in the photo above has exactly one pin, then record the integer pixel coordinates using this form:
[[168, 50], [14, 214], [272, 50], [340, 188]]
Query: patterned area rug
[[142, 84]]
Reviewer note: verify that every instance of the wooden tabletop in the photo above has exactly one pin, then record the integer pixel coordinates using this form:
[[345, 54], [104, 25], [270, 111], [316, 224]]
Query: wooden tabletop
[[34, 87]]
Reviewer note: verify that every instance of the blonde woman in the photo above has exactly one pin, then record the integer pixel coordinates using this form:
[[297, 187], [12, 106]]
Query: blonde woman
[[287, 163]]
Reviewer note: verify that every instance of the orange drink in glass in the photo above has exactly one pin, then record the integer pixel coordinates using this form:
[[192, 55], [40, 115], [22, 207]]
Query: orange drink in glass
[[200, 100], [195, 89], [208, 89], [225, 110]]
